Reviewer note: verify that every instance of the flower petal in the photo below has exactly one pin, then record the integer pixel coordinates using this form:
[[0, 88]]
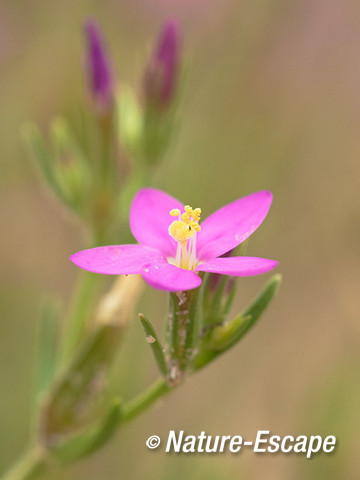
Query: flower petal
[[232, 224], [238, 266], [150, 219], [116, 259], [165, 276]]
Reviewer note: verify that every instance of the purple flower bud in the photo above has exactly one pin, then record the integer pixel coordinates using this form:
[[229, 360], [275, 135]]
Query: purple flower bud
[[98, 69], [161, 73]]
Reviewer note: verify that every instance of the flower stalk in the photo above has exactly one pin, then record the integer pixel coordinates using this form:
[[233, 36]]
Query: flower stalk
[[177, 351]]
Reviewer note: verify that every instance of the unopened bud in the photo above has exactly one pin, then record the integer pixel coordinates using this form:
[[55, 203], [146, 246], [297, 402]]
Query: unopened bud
[[161, 73], [98, 69]]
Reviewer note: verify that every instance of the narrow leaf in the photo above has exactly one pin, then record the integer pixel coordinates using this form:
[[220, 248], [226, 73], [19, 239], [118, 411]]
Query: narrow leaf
[[220, 339], [156, 347], [70, 164], [254, 311], [46, 355], [47, 346], [42, 158]]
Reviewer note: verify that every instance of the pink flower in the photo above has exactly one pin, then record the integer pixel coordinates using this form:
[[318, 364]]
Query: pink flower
[[171, 252]]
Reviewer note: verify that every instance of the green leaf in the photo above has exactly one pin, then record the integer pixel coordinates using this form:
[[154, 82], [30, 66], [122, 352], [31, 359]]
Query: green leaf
[[156, 347], [86, 292], [93, 438], [47, 346], [71, 167], [46, 355], [42, 158], [254, 311], [73, 402], [219, 339], [64, 139]]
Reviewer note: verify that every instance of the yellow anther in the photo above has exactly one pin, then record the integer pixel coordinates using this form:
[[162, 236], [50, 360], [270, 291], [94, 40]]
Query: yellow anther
[[175, 212], [196, 214], [185, 227], [185, 217], [180, 231], [195, 226]]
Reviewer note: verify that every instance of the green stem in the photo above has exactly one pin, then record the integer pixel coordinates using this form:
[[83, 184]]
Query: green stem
[[106, 129], [29, 467], [36, 461], [144, 400], [183, 326], [178, 323]]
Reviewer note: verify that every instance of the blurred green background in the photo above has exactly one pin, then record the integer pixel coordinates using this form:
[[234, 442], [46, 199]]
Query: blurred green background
[[272, 101]]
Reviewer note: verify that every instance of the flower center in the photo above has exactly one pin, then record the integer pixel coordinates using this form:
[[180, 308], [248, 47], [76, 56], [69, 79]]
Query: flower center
[[184, 231]]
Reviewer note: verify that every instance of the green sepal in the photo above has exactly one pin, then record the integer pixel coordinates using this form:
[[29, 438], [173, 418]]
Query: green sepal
[[214, 300], [145, 133], [230, 295], [92, 438], [157, 133], [196, 321], [221, 338], [218, 299], [154, 342], [224, 336], [130, 122]]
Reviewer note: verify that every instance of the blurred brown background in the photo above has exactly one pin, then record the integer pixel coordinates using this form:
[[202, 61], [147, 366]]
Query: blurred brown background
[[272, 101]]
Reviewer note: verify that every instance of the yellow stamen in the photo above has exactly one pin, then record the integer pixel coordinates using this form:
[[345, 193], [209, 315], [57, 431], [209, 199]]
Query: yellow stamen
[[185, 217], [175, 212], [195, 226], [182, 230], [196, 214]]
